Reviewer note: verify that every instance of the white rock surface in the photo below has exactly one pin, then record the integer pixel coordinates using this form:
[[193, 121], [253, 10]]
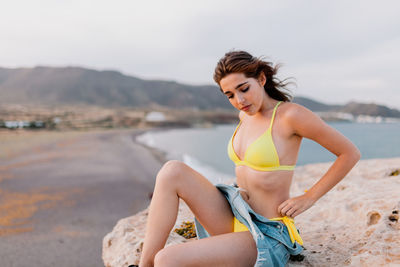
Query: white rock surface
[[122, 247], [354, 224]]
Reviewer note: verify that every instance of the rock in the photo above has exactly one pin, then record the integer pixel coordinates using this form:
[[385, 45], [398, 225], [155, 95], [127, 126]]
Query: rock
[[123, 246], [373, 217], [357, 224], [394, 217]]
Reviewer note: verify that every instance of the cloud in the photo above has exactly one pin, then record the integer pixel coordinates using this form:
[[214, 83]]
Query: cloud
[[337, 50]]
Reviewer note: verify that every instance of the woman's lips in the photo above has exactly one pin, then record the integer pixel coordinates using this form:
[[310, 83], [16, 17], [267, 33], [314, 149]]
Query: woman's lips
[[245, 108]]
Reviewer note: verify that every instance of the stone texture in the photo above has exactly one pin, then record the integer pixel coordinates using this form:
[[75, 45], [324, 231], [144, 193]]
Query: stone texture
[[122, 247], [354, 224]]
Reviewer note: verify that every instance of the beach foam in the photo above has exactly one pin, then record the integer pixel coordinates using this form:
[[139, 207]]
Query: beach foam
[[213, 175]]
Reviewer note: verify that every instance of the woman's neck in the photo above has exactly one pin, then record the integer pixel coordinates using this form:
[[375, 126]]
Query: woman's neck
[[267, 106]]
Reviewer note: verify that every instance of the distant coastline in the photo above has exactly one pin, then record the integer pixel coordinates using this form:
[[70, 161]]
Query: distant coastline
[[348, 117], [83, 117], [67, 94]]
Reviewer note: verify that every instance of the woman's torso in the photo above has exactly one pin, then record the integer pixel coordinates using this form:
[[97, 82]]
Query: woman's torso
[[264, 191]]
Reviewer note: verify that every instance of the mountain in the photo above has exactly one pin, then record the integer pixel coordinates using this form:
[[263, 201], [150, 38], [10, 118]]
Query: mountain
[[370, 109], [75, 85], [353, 108]]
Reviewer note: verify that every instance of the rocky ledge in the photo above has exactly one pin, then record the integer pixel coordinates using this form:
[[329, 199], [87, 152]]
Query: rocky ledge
[[354, 224]]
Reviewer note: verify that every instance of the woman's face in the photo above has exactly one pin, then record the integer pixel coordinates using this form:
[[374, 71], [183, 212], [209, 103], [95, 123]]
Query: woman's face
[[246, 94]]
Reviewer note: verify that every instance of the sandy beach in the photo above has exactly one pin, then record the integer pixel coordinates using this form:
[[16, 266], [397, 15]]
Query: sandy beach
[[62, 192]]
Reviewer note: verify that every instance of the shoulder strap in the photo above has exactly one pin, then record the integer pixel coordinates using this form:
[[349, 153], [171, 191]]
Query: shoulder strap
[[273, 114], [237, 127]]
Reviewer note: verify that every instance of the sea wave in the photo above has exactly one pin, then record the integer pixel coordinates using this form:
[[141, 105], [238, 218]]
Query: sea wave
[[206, 170], [146, 139]]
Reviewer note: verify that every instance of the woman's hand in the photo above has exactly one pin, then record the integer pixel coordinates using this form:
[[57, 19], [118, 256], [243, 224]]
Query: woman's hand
[[296, 205]]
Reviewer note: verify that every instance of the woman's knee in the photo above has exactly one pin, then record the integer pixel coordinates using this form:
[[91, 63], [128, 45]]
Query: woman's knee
[[166, 257], [171, 170]]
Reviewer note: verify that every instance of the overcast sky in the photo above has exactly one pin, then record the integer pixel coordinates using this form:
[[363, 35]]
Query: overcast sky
[[338, 51]]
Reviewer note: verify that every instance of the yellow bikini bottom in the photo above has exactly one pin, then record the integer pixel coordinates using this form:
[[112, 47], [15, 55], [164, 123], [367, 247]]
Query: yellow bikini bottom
[[289, 222]]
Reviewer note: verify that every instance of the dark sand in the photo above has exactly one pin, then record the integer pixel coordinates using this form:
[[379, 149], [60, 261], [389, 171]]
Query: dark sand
[[58, 200]]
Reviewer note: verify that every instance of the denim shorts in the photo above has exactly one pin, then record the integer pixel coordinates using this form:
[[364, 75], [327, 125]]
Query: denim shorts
[[274, 246]]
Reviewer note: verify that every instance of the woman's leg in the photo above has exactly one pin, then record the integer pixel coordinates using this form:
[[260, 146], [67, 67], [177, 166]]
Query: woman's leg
[[232, 249], [177, 180]]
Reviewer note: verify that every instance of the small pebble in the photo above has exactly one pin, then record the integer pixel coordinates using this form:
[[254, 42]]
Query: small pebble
[[298, 257]]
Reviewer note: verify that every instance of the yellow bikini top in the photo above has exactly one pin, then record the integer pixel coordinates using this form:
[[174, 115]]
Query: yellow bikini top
[[260, 155]]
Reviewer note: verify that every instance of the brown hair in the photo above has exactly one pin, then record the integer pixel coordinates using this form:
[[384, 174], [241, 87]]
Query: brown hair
[[251, 67]]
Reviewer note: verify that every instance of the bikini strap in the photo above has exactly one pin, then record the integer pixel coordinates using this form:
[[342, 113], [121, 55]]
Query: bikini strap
[[237, 127], [273, 115]]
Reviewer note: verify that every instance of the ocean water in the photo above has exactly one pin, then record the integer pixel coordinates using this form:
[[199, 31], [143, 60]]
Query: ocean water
[[205, 149]]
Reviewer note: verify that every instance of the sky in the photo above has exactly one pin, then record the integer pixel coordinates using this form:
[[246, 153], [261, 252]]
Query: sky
[[337, 51]]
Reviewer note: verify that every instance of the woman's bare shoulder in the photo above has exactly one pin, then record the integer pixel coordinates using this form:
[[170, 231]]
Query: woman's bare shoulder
[[292, 110], [300, 118]]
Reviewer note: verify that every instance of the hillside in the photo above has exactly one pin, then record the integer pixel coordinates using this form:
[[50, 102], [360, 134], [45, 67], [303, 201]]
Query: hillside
[[74, 85], [53, 86], [370, 109]]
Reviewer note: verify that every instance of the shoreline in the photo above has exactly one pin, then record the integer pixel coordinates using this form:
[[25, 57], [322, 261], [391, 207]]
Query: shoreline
[[158, 153]]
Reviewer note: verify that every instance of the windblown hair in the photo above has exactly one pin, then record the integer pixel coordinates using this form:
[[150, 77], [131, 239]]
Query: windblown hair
[[251, 67]]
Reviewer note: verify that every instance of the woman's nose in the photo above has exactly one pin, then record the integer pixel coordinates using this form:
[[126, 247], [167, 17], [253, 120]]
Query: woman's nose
[[240, 99]]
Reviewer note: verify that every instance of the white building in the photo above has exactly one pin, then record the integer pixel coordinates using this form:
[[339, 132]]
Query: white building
[[155, 116]]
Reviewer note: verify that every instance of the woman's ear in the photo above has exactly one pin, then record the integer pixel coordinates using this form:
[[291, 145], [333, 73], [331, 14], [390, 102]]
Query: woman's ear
[[262, 79]]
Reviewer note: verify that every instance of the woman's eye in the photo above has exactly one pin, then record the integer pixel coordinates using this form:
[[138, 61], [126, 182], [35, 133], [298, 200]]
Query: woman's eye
[[230, 96], [245, 89]]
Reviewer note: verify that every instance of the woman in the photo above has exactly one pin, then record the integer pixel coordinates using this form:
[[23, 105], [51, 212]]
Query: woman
[[250, 224]]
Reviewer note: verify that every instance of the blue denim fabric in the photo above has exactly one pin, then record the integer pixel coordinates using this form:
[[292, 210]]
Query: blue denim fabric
[[272, 237]]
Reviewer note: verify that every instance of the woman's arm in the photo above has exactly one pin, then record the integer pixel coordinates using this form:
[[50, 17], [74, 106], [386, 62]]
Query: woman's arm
[[307, 124]]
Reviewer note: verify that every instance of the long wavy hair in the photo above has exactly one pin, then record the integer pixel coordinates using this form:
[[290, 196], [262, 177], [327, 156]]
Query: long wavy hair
[[251, 67]]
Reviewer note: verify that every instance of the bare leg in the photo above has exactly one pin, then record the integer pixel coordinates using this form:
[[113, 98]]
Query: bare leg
[[226, 250], [177, 180]]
